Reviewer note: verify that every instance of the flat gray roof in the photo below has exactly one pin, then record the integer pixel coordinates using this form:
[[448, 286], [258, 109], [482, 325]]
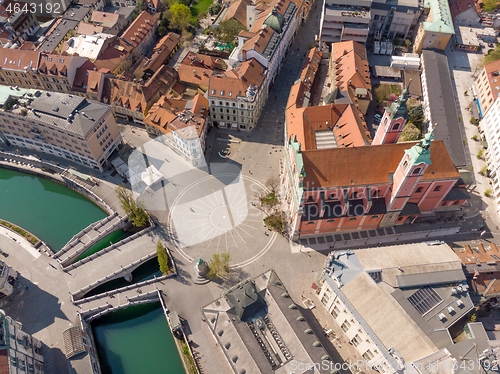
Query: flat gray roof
[[442, 105], [57, 35], [56, 108], [435, 277], [76, 12]]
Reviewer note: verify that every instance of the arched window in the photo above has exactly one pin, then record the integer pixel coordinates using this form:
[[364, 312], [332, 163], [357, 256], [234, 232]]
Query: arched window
[[416, 171], [395, 127]]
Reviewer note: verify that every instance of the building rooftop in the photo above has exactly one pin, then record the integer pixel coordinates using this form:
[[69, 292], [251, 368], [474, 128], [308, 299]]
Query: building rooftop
[[141, 26], [58, 33], [413, 288], [244, 80], [351, 67], [457, 7], [442, 105], [18, 59], [86, 28], [77, 12], [113, 55], [260, 330], [365, 166], [439, 19], [238, 11], [108, 19], [71, 113], [89, 46]]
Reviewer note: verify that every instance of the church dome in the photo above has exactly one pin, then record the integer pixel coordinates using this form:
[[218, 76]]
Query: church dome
[[275, 21]]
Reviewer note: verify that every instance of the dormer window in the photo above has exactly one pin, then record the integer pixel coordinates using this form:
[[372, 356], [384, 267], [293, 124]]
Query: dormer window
[[416, 171], [230, 94], [213, 92], [222, 93]]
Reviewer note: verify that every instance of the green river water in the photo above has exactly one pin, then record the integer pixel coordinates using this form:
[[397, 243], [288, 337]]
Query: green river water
[[135, 340]]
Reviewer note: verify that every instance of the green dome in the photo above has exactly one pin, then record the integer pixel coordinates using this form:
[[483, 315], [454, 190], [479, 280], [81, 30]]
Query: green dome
[[275, 21]]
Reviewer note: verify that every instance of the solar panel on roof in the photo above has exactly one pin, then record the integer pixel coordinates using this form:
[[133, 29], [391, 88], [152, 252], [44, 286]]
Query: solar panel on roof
[[425, 299]]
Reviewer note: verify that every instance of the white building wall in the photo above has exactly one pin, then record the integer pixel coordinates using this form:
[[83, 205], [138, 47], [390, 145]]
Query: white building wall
[[490, 123]]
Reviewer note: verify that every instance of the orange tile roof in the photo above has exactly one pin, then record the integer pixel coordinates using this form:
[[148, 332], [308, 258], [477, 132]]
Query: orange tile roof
[[142, 25], [260, 40], [86, 28], [131, 95], [351, 66], [112, 56], [344, 120], [169, 41], [479, 254], [310, 67], [54, 65], [296, 96], [200, 105], [103, 17], [235, 82], [199, 60], [493, 72], [28, 46], [81, 76], [238, 11], [365, 166], [18, 59], [194, 75]]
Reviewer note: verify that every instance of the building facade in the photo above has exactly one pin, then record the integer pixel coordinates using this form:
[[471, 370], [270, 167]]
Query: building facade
[[490, 124], [19, 351], [437, 28], [341, 21], [8, 278], [63, 125], [268, 39], [488, 87], [360, 188], [183, 125], [238, 96]]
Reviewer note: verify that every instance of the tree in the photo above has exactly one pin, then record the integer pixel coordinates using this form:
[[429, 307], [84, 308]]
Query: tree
[[214, 9], [490, 5], [493, 54], [480, 154], [396, 41], [162, 257], [180, 15], [407, 43], [140, 6], [133, 209], [228, 31], [484, 170], [409, 133], [219, 266], [416, 115]]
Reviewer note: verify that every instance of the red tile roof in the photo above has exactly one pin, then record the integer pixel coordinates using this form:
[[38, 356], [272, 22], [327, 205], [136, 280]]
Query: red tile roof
[[459, 6], [238, 11], [142, 26], [103, 17], [54, 65], [112, 56], [366, 166], [235, 82], [81, 76], [351, 66], [18, 59], [86, 28]]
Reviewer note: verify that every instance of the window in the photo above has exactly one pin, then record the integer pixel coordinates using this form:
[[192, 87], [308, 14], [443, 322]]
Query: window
[[400, 219], [418, 190], [376, 18], [437, 188], [335, 311], [455, 202], [353, 219], [368, 355], [395, 127], [330, 220], [213, 102], [222, 93], [416, 171], [345, 326], [356, 340], [405, 165], [443, 203], [310, 223], [325, 299], [374, 217]]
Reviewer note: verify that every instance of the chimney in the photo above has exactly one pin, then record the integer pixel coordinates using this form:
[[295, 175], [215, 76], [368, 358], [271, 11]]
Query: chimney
[[244, 54]]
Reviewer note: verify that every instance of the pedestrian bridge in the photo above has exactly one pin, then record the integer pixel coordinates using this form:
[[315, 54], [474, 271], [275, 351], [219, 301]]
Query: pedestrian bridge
[[88, 237]]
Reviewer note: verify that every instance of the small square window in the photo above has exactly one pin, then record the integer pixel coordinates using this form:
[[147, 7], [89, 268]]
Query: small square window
[[438, 188], [418, 190], [222, 93], [213, 92]]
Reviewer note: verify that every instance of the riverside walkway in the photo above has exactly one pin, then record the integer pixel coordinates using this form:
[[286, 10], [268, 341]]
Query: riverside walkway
[[88, 237]]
